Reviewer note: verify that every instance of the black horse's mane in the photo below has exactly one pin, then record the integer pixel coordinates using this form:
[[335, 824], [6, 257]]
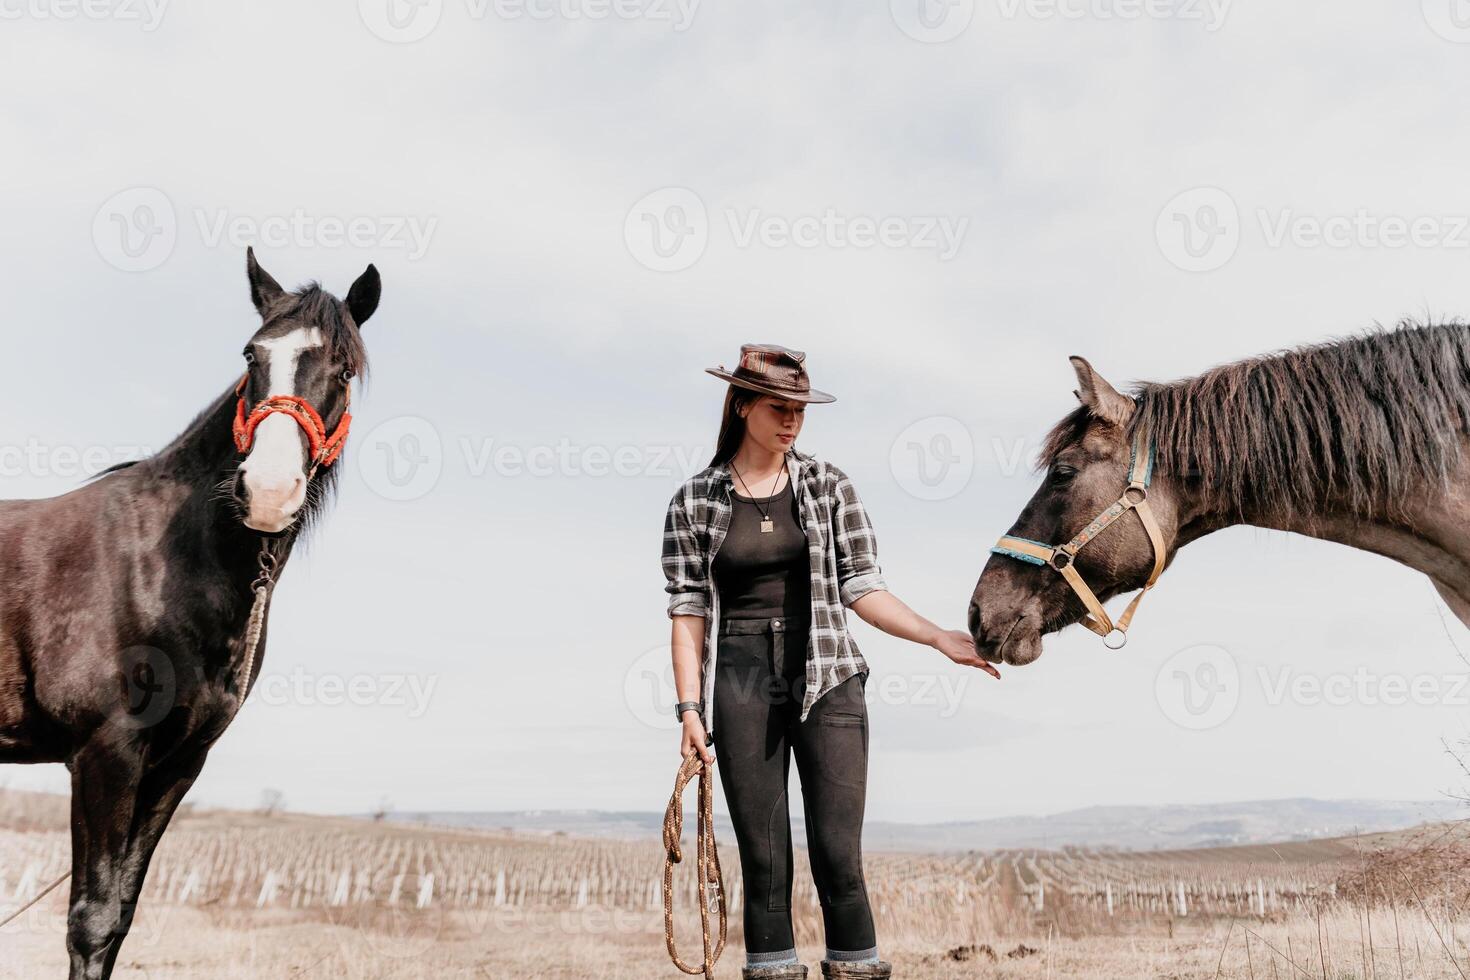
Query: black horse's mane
[[1361, 420]]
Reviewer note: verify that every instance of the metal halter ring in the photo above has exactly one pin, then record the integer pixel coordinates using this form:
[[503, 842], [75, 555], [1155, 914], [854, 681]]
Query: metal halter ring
[[1142, 495], [1122, 639], [1061, 559]]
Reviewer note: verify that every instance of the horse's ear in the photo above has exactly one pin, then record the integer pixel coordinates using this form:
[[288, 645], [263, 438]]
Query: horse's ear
[[263, 289], [362, 298], [1101, 398]]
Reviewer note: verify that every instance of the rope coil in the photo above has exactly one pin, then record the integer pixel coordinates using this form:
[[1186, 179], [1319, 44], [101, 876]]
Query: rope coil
[[707, 865]]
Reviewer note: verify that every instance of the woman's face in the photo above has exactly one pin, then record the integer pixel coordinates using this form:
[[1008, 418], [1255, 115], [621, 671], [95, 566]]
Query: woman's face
[[774, 423]]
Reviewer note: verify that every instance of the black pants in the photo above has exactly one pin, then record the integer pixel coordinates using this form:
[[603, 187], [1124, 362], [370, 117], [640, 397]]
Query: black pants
[[759, 682]]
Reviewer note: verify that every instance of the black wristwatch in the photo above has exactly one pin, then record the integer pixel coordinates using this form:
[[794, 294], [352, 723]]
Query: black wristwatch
[[684, 706]]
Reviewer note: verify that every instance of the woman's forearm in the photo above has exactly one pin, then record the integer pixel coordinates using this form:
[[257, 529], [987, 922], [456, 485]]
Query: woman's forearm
[[892, 615], [687, 642]]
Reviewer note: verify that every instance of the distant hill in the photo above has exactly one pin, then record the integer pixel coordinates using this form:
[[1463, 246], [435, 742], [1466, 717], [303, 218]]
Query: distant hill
[[1173, 827]]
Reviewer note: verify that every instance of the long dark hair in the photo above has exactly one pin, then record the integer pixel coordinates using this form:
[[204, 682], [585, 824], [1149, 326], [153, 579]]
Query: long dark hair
[[732, 424]]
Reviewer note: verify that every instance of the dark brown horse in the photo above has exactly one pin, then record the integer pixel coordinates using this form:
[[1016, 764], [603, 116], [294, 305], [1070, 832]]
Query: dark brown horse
[[1362, 441], [124, 605]]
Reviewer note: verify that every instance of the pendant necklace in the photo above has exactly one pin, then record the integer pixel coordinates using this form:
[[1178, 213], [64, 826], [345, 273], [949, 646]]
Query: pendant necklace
[[768, 526]]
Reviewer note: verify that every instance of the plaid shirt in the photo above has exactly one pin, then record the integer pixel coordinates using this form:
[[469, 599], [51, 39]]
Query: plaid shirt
[[844, 565]]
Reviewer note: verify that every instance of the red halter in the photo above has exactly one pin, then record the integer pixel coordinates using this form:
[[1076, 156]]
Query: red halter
[[324, 448]]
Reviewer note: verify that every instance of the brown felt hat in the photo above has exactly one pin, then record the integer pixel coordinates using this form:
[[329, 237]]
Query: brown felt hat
[[773, 370]]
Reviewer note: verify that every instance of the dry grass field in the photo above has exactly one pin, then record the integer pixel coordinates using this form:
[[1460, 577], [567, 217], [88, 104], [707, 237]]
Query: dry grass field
[[237, 895]]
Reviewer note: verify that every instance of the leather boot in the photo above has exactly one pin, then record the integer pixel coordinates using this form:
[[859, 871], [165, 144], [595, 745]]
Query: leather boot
[[856, 971], [797, 972]]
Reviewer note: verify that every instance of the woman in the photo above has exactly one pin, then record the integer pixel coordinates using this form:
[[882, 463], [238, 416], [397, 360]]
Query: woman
[[764, 550]]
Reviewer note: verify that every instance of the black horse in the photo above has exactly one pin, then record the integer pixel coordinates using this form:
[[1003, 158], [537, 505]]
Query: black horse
[[125, 605]]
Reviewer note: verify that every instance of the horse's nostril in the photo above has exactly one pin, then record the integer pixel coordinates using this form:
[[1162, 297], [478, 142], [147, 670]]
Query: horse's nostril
[[239, 491], [974, 618]]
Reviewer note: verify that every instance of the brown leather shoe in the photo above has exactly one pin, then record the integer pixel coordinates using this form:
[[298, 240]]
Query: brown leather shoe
[[797, 972], [856, 971]]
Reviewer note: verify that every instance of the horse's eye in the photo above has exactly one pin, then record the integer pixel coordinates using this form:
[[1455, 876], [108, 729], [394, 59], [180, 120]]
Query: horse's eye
[[346, 376], [249, 355], [1062, 475]]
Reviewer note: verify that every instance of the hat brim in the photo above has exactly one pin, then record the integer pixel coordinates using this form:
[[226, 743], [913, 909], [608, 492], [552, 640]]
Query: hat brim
[[812, 395]]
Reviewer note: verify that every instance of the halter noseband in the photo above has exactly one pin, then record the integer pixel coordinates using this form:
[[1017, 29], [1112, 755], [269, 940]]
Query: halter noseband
[[323, 448], [1062, 557]]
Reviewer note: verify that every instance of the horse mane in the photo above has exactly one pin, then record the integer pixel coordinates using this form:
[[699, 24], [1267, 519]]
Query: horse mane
[[1362, 421]]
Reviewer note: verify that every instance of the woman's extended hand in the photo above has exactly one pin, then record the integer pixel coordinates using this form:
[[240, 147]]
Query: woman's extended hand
[[959, 646], [694, 738]]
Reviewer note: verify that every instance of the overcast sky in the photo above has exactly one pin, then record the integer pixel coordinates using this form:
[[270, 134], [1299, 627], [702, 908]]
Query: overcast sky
[[577, 205]]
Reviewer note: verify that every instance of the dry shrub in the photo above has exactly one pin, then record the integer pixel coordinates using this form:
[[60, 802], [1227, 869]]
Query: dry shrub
[[1433, 871]]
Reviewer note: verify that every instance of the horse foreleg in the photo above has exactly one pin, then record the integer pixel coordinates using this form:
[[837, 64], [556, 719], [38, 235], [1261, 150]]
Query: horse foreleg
[[105, 777], [160, 792]]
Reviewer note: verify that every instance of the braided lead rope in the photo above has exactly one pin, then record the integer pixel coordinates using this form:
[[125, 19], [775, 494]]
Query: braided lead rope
[[707, 862], [262, 586]]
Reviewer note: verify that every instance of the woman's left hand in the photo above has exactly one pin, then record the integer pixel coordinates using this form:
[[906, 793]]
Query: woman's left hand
[[959, 646]]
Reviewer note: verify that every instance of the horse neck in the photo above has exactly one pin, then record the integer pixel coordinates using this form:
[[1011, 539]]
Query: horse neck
[[1423, 528]]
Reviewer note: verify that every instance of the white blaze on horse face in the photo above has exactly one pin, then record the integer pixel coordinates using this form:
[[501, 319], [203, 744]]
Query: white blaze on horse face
[[274, 471]]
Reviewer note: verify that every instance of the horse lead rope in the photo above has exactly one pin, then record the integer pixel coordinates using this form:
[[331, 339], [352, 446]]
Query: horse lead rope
[[711, 878], [262, 586]]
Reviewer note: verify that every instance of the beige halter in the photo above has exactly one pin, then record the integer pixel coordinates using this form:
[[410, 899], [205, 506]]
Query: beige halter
[[1134, 498]]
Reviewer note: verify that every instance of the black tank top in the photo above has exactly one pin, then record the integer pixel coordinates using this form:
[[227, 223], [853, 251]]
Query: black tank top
[[764, 573]]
